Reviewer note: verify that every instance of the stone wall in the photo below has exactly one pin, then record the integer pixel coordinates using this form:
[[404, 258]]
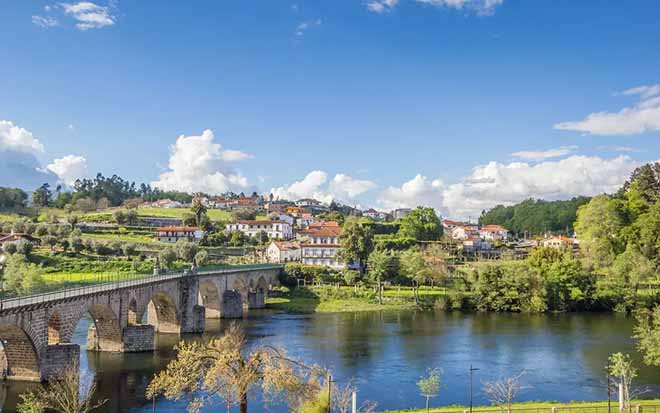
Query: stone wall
[[232, 304], [138, 338], [58, 358]]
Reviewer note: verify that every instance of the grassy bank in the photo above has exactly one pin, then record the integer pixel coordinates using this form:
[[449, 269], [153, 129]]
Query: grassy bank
[[345, 299], [544, 407]]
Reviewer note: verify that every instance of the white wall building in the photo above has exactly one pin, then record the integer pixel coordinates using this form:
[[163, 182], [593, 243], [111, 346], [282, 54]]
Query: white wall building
[[400, 213], [283, 251], [173, 234], [494, 233], [323, 249], [274, 229]]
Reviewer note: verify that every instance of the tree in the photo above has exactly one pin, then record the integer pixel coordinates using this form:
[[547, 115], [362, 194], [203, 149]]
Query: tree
[[357, 242], [620, 367], [128, 249], [237, 239], [598, 226], [198, 209], [225, 367], [72, 220], [262, 237], [422, 224], [166, 257], [131, 216], [504, 392], [49, 240], [186, 250], [429, 385], [202, 257], [10, 248], [119, 216], [244, 214], [42, 196], [76, 244], [62, 395], [20, 277], [647, 334]]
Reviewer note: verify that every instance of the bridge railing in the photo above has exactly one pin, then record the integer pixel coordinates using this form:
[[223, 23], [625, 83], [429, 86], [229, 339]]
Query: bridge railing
[[65, 293]]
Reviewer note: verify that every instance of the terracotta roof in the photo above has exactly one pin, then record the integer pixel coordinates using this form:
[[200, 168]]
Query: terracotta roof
[[257, 222], [450, 222], [324, 224], [177, 229], [15, 237], [321, 245], [493, 227]]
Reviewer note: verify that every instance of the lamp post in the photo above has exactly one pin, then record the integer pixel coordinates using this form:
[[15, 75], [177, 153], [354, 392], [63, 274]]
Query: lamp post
[[472, 370]]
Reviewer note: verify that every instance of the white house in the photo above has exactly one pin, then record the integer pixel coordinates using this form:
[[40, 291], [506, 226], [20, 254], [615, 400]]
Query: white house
[[174, 233], [448, 225], [274, 229], [308, 202], [493, 233], [13, 238], [375, 215], [283, 251], [305, 220], [322, 249], [559, 242], [464, 232], [167, 203]]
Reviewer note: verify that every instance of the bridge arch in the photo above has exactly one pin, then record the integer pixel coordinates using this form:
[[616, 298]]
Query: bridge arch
[[163, 314], [210, 298], [19, 359], [54, 327], [262, 285], [132, 316], [104, 332]]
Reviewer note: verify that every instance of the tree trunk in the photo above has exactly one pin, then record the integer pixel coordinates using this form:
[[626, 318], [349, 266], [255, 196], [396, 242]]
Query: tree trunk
[[427, 405], [244, 404]]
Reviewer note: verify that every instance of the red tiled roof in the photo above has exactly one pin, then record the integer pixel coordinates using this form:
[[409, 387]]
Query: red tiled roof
[[257, 222], [321, 245], [493, 227], [287, 245], [177, 229]]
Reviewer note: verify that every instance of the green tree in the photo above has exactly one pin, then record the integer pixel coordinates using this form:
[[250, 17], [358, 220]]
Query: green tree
[[132, 216], [119, 216], [429, 385], [186, 250], [647, 334], [382, 266], [237, 239], [49, 241], [167, 256], [128, 249], [422, 224], [42, 196], [198, 209], [76, 244], [202, 257], [357, 242], [598, 226], [20, 277], [622, 370], [72, 220]]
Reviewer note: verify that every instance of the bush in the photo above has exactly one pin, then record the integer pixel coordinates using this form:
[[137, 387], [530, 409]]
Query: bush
[[10, 248], [294, 271], [202, 257]]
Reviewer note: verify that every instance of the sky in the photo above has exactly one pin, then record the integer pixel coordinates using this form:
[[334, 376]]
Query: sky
[[455, 104]]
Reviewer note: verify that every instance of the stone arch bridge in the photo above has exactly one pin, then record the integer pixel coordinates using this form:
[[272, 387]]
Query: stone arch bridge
[[36, 331]]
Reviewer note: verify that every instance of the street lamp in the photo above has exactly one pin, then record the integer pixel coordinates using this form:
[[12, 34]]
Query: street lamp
[[472, 370]]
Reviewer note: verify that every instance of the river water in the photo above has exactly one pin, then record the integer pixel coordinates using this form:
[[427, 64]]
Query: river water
[[562, 357]]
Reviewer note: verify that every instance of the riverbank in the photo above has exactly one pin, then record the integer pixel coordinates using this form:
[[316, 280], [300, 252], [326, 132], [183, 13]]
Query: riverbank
[[345, 299], [542, 407]]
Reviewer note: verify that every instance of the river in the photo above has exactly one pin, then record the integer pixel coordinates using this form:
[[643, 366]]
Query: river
[[562, 357]]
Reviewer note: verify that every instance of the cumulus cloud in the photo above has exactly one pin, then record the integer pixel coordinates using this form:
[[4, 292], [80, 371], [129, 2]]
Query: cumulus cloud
[[498, 183], [68, 168], [304, 26], [89, 15], [19, 165], [419, 191], [15, 138], [480, 7], [315, 185], [546, 154], [643, 116], [44, 21], [199, 164]]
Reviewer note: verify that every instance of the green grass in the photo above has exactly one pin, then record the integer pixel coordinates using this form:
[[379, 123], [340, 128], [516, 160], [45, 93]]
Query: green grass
[[314, 300], [214, 214], [124, 238], [540, 407], [8, 217]]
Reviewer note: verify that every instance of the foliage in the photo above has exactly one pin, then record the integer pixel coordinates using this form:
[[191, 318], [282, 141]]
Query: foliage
[[294, 271], [11, 198], [186, 250], [224, 367], [42, 196], [383, 266], [202, 257], [20, 277], [510, 287], [413, 266], [597, 226], [421, 224], [62, 395], [356, 243], [620, 367], [535, 216], [647, 334], [244, 215], [429, 385], [166, 257]]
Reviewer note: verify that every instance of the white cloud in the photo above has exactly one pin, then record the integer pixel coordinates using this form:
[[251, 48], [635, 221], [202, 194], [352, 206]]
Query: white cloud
[[381, 6], [497, 183], [14, 138], [44, 21], [642, 117], [69, 168], [480, 7], [199, 164], [315, 185], [546, 154], [419, 191], [304, 26], [89, 15]]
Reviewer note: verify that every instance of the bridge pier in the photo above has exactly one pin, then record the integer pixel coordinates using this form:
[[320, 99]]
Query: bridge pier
[[232, 304], [256, 300], [58, 358], [138, 338]]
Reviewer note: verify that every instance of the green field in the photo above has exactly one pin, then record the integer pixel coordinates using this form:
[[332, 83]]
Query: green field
[[647, 406], [214, 214]]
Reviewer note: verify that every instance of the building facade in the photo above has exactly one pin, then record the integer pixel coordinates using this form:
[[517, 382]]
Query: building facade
[[274, 229], [173, 234]]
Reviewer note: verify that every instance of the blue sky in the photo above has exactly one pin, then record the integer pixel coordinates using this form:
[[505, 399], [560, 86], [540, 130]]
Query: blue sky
[[392, 103]]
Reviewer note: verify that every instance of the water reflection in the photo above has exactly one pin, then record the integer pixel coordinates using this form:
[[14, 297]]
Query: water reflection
[[563, 356]]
